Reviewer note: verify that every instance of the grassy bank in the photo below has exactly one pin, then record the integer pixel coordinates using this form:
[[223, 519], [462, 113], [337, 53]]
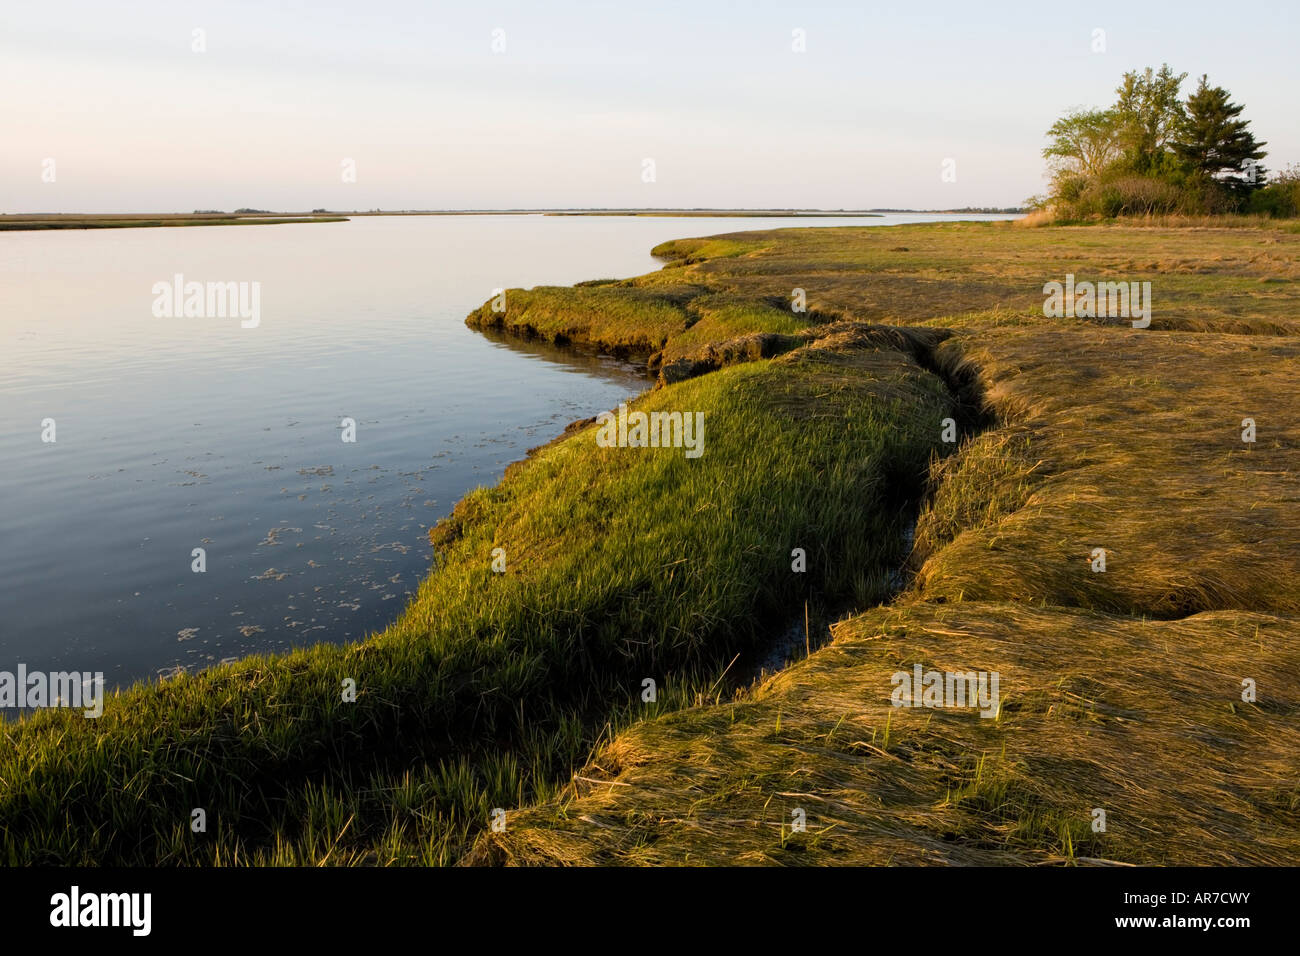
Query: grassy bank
[[823, 432], [1122, 690], [621, 564]]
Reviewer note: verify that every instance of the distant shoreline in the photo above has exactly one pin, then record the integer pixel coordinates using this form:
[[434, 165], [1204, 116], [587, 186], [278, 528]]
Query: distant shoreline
[[14, 222], [19, 223]]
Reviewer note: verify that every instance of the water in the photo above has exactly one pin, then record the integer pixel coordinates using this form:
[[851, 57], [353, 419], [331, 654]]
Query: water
[[180, 433]]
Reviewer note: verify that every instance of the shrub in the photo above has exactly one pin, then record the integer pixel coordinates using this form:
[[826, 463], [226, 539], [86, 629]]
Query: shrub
[[1279, 198]]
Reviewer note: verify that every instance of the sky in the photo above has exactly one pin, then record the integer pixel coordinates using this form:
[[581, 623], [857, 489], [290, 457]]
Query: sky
[[397, 104]]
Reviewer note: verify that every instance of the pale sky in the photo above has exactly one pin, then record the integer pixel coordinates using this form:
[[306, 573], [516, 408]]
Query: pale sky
[[582, 94]]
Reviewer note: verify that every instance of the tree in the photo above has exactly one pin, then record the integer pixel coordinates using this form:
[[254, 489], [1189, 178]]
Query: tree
[[1215, 143], [1084, 142], [1154, 152], [1149, 114]]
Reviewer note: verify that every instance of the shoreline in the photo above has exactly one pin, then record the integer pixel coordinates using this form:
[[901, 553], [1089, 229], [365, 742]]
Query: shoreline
[[16, 222], [524, 688], [19, 223]]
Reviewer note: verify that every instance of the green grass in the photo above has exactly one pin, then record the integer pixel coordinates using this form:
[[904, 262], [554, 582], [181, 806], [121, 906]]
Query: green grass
[[611, 317], [621, 564]]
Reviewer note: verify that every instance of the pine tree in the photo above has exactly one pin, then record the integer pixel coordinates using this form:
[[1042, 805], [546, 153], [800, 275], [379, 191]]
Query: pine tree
[[1215, 143]]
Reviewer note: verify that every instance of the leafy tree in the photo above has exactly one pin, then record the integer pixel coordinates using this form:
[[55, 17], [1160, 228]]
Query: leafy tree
[[1150, 114], [1084, 142], [1216, 144], [1153, 153]]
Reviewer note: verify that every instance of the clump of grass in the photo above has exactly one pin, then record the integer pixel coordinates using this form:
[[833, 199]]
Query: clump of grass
[[687, 251], [611, 316], [991, 477]]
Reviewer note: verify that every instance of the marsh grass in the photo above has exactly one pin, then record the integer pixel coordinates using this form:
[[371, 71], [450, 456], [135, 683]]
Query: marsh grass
[[1099, 712], [716, 292], [1133, 446], [1122, 690], [622, 564]]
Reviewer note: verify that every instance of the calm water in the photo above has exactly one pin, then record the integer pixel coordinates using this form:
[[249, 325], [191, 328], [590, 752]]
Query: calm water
[[181, 433]]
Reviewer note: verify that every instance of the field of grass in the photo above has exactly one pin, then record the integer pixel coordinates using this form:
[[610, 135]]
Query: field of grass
[[1121, 690], [1098, 712]]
